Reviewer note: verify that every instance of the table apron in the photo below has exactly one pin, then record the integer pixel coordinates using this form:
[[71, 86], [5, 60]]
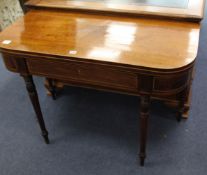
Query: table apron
[[103, 76]]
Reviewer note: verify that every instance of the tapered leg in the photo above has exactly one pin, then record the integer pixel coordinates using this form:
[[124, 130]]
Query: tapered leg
[[144, 116], [35, 102], [52, 88]]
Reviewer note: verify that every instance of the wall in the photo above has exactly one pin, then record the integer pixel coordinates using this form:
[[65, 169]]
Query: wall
[[10, 10]]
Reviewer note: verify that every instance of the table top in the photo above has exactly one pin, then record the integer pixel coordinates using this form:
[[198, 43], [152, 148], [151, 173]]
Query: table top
[[151, 43], [179, 9]]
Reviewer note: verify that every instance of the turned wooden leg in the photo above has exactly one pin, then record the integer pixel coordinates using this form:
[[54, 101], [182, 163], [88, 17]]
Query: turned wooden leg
[[35, 102], [51, 88], [144, 116], [182, 101]]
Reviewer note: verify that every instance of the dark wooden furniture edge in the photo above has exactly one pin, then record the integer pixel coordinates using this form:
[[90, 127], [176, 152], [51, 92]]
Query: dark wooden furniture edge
[[115, 13], [121, 65]]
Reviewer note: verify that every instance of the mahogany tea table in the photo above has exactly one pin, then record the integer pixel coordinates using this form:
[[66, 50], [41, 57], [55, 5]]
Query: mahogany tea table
[[147, 57]]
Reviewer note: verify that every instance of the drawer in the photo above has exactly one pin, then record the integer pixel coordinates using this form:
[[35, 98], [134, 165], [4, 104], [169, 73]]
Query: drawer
[[94, 74], [171, 82], [9, 61]]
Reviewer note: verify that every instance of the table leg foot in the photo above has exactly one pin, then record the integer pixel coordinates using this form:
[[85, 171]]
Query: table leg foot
[[142, 159], [52, 88], [45, 136], [183, 97], [179, 116]]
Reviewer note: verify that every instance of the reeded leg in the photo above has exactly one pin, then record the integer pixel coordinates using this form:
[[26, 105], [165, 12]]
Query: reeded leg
[[35, 102], [52, 88], [144, 116]]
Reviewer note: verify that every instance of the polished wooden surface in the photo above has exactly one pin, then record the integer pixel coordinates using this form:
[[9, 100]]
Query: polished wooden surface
[[156, 44], [192, 9]]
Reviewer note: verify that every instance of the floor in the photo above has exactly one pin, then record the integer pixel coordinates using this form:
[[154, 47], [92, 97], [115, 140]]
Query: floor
[[95, 132]]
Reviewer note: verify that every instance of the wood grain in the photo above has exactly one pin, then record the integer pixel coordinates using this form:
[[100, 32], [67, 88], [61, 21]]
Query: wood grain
[[155, 44]]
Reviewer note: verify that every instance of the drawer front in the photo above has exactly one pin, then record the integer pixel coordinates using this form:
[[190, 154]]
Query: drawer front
[[171, 83], [93, 74], [9, 61]]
